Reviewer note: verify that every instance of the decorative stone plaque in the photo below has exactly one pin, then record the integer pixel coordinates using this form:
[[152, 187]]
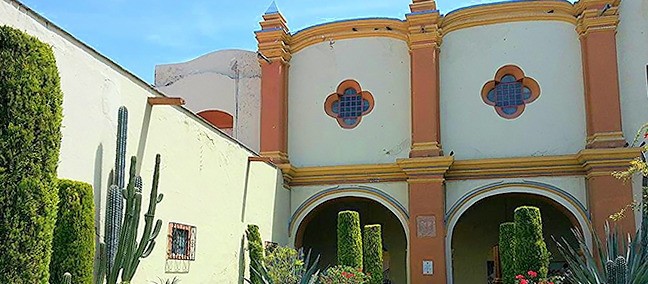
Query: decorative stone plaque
[[425, 226]]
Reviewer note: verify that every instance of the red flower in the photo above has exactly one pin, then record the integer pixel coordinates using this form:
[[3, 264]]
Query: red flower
[[519, 276], [524, 281], [532, 274]]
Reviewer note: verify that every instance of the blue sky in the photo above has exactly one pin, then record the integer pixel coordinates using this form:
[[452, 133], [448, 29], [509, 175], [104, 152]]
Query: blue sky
[[138, 34]]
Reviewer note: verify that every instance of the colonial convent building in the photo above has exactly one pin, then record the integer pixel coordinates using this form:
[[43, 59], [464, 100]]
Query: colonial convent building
[[436, 125]]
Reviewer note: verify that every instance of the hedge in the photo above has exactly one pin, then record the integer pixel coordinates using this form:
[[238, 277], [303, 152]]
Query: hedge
[[73, 247], [255, 248], [372, 246], [507, 252], [349, 239], [530, 249], [30, 138]]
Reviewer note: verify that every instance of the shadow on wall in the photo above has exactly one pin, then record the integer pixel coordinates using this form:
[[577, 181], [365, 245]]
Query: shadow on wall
[[97, 186], [281, 212]]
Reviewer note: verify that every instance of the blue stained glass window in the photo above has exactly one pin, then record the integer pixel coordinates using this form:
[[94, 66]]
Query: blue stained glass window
[[509, 94], [351, 106]]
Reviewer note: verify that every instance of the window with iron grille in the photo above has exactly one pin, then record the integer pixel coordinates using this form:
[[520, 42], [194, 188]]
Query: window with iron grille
[[510, 92], [349, 104], [182, 242]]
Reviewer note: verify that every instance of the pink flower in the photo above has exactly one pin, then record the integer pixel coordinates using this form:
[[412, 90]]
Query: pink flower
[[519, 276], [532, 274], [524, 281]]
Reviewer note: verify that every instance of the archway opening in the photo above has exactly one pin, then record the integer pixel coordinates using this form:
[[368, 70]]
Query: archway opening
[[318, 233], [477, 234]]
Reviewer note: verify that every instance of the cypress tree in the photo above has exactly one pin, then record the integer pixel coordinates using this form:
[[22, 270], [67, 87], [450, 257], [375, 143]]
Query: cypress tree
[[530, 248], [349, 239], [30, 138], [507, 252], [372, 246], [255, 248], [73, 248]]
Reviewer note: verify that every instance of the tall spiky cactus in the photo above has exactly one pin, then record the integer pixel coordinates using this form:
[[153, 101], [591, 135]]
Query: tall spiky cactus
[[129, 250], [114, 201]]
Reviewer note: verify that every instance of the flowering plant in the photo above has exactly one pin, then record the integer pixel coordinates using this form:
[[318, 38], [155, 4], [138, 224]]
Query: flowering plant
[[343, 275], [532, 278]]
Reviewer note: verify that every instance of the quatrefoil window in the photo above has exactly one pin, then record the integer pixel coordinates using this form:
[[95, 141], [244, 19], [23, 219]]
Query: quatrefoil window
[[510, 92], [349, 104]]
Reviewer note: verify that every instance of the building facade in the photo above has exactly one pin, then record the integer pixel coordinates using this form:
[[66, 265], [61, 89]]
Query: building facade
[[449, 122], [436, 126]]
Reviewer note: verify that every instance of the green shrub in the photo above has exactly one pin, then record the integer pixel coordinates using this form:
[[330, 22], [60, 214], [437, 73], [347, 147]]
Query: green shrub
[[349, 239], [530, 249], [255, 248], [73, 247], [30, 138], [343, 275], [373, 261], [284, 265], [507, 252]]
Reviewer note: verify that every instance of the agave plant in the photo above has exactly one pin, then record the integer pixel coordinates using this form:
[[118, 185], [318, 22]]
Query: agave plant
[[173, 280], [307, 275], [622, 260]]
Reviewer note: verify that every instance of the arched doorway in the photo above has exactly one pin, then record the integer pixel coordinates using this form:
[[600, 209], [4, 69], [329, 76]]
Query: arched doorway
[[318, 232], [477, 233]]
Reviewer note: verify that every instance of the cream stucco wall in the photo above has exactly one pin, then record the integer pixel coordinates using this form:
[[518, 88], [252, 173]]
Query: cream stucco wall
[[381, 66], [226, 80], [205, 175], [632, 40], [547, 51]]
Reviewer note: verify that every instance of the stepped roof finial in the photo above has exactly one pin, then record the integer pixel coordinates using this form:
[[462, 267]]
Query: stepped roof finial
[[272, 9]]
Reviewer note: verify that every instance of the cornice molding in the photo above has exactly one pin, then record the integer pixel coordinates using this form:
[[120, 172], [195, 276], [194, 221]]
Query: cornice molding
[[274, 38], [423, 29], [595, 19], [588, 163], [375, 27], [541, 10]]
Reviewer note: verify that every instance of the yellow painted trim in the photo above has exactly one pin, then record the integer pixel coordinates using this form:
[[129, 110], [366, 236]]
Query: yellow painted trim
[[588, 162], [347, 174], [426, 146], [508, 12], [592, 21], [344, 30], [520, 167], [605, 137]]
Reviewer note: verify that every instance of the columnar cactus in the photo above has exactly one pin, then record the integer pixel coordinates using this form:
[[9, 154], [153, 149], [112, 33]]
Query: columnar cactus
[[129, 250], [622, 269], [617, 271], [114, 201]]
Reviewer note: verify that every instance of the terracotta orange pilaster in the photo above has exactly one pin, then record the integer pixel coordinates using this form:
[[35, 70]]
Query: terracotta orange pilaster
[[427, 231], [606, 194], [596, 26], [274, 56], [425, 38]]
